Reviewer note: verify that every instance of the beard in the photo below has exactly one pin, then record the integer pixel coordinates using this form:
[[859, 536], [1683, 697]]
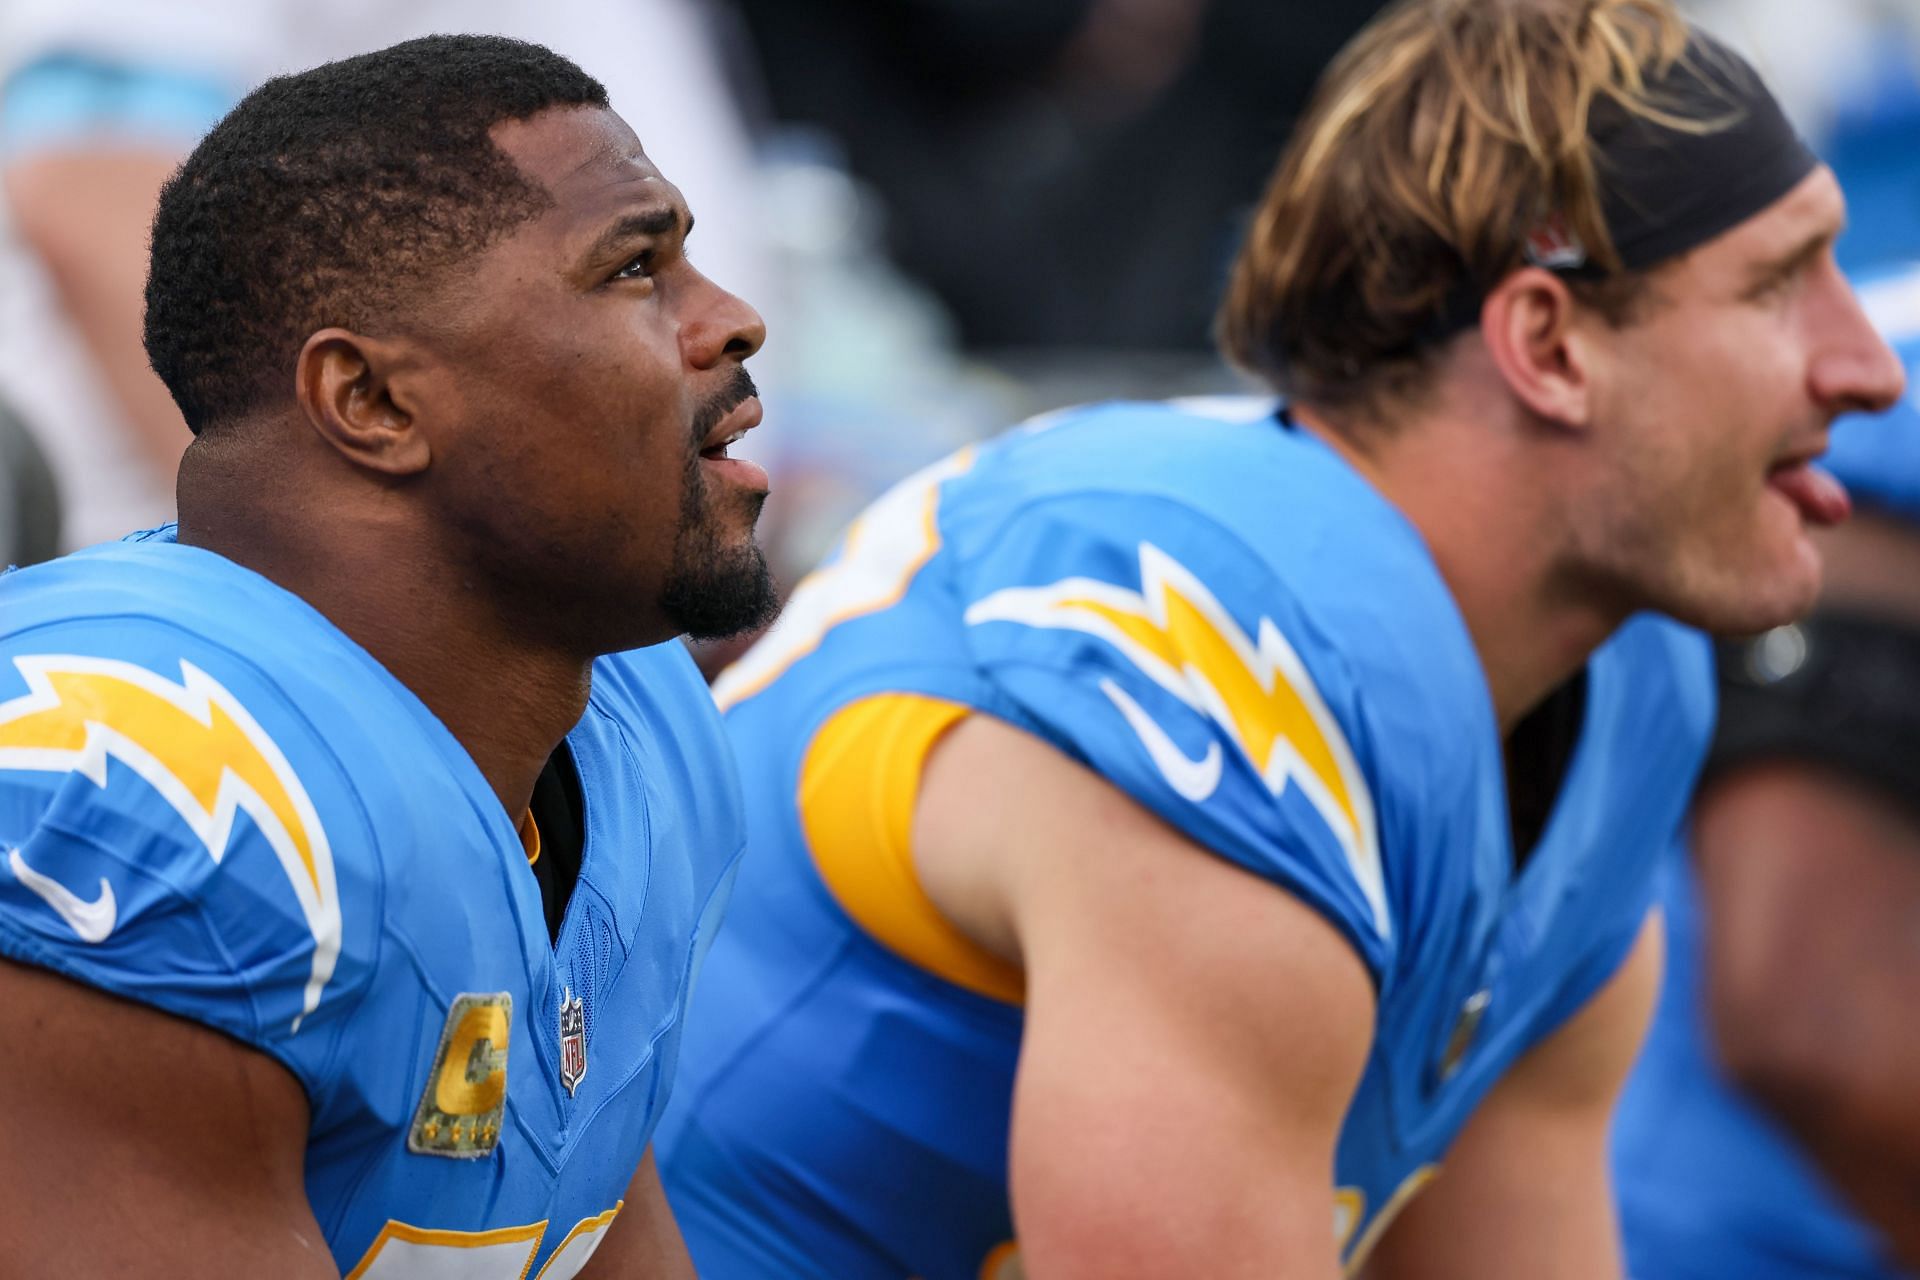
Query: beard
[[716, 588]]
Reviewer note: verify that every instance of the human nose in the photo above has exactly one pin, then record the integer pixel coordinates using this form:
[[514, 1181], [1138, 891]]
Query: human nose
[[1854, 370], [722, 328]]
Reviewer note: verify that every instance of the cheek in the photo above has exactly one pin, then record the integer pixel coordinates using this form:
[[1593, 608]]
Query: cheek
[[1682, 482], [1720, 427], [628, 426]]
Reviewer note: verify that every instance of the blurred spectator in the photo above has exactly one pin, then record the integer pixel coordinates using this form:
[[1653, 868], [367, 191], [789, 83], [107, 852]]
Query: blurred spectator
[[1063, 173], [1771, 1130], [100, 98]]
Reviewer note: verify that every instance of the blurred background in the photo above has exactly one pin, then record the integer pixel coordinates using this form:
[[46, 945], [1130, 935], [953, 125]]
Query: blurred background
[[953, 213]]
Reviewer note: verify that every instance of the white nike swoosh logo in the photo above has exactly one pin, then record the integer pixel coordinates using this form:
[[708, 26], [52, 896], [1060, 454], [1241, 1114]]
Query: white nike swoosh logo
[[1194, 779], [93, 921]]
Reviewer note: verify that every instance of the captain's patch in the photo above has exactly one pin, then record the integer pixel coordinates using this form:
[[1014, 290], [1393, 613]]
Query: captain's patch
[[466, 1095]]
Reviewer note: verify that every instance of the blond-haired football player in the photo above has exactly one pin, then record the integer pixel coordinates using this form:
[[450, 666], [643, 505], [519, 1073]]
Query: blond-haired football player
[[1204, 848]]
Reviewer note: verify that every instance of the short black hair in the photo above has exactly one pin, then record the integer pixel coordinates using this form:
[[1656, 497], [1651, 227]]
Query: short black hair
[[324, 197]]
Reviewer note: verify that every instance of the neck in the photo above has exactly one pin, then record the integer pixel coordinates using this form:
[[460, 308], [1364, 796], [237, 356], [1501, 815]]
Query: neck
[[1469, 482], [505, 698]]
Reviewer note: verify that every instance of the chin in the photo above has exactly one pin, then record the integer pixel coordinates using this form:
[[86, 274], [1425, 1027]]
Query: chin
[[1764, 597]]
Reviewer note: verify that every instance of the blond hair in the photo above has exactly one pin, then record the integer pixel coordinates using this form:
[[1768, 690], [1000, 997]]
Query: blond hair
[[1438, 140]]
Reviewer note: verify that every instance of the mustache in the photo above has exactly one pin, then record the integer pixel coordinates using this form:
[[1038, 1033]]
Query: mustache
[[738, 391]]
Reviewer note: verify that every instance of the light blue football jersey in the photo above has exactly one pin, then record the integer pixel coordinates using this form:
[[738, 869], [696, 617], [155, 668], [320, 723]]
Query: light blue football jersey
[[212, 801], [1218, 615]]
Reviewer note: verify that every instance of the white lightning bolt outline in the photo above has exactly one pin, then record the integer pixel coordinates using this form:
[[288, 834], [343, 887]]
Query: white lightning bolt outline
[[196, 696]]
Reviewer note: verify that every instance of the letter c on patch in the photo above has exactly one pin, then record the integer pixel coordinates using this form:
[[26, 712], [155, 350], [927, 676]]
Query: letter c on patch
[[457, 1092]]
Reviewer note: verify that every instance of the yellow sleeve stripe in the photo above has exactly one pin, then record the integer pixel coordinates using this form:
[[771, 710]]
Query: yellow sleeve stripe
[[858, 786]]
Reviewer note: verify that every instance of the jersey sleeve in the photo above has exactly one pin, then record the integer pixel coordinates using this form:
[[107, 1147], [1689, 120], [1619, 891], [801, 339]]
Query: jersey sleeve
[[1150, 643], [172, 831]]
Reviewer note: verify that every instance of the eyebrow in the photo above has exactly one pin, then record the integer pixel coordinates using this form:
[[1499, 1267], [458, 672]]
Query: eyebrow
[[636, 226], [1790, 263]]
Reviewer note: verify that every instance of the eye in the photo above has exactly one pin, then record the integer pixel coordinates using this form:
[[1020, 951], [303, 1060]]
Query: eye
[[1793, 277], [1774, 289], [639, 267]]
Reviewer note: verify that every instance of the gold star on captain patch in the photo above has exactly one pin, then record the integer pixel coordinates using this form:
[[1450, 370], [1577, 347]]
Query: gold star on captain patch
[[430, 1131]]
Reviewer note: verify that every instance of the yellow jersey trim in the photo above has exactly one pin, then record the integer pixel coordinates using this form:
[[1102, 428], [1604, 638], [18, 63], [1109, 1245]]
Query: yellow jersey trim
[[529, 832], [585, 1227], [858, 786], [1003, 1263], [528, 1235], [1412, 1186]]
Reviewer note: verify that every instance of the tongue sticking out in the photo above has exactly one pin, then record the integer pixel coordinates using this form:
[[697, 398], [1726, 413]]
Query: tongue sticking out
[[1820, 498]]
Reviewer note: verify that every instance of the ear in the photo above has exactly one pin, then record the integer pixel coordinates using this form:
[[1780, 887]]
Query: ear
[[357, 393], [1527, 323]]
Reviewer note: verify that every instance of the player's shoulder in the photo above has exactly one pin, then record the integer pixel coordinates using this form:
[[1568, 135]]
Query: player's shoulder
[[1213, 528], [151, 578], [1227, 622], [195, 619], [1235, 458], [224, 762]]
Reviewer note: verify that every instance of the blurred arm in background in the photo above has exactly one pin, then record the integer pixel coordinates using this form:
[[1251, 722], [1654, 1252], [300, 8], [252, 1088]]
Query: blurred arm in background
[[83, 209], [97, 106], [1812, 885]]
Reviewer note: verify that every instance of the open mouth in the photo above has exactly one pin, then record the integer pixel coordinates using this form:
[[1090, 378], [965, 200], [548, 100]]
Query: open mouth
[[718, 451], [726, 433]]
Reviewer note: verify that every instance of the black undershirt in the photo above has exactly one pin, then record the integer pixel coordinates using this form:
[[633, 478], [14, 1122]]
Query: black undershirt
[[559, 812], [1539, 751]]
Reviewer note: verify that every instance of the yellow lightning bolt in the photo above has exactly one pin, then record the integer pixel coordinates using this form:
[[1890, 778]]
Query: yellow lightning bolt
[[1260, 711], [196, 746], [1176, 632], [199, 754]]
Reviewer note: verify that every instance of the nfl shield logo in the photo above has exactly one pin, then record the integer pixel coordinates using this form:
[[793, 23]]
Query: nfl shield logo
[[573, 1040]]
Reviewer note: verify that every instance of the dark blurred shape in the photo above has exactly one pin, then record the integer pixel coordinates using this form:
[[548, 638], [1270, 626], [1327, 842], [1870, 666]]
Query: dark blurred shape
[[29, 500], [1061, 172]]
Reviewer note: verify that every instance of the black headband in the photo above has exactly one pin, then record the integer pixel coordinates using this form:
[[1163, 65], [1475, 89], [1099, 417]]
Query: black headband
[[1663, 190]]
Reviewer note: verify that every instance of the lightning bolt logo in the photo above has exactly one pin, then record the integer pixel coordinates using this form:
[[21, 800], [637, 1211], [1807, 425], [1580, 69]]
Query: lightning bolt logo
[[1259, 692], [198, 748]]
